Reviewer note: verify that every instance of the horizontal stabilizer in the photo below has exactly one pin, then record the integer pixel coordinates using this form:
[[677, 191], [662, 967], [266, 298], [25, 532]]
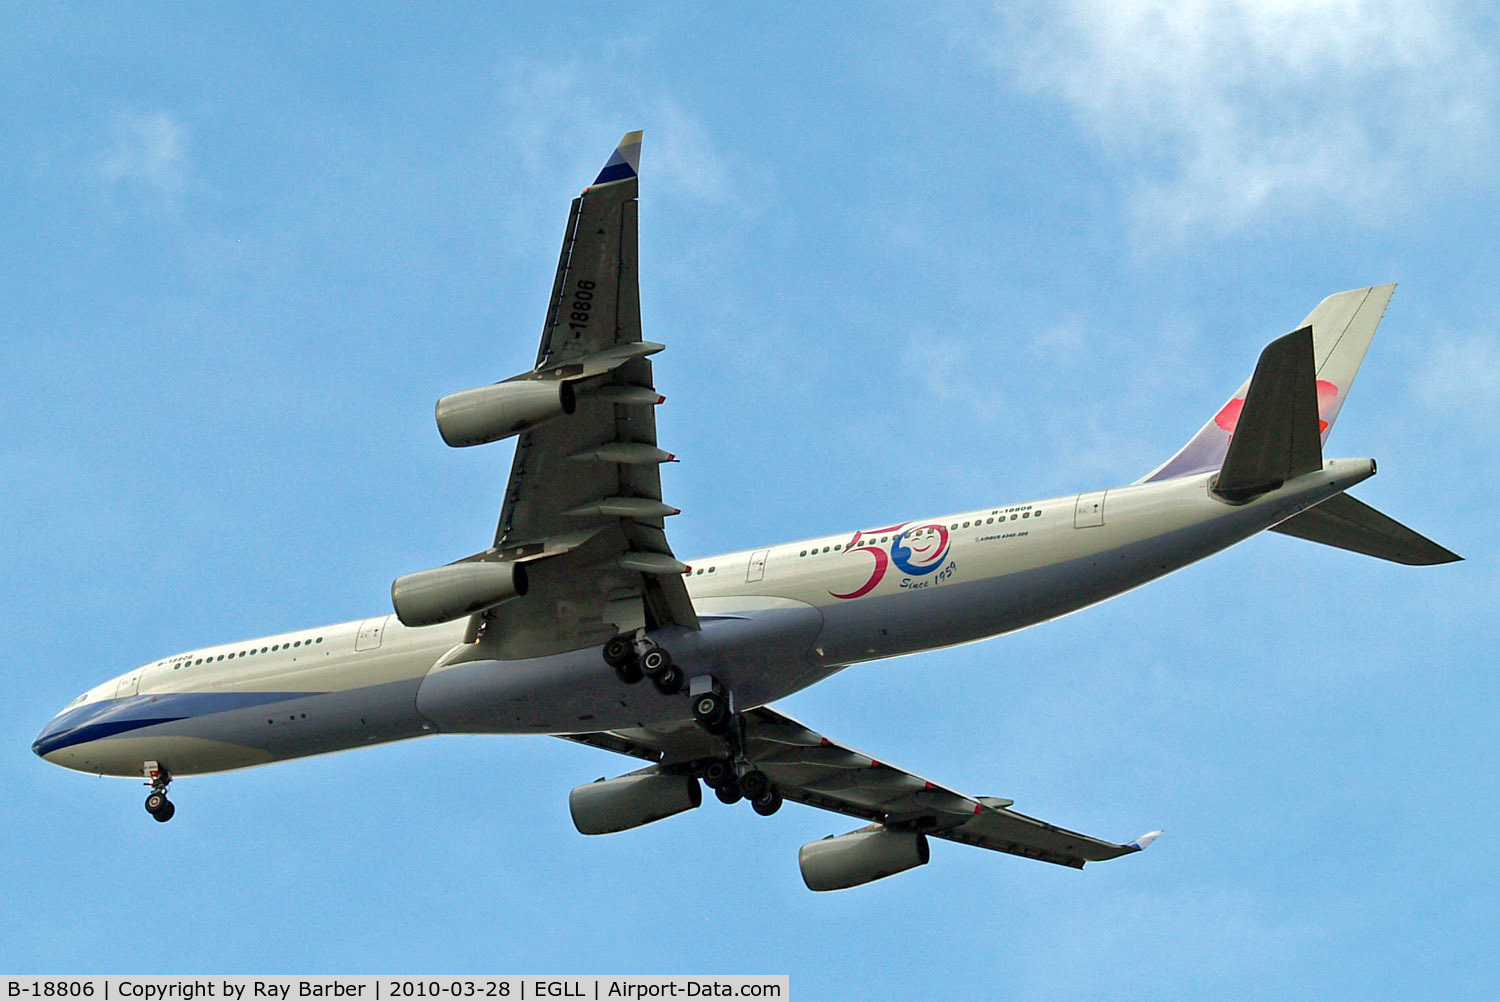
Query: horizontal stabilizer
[[1276, 437], [1349, 524]]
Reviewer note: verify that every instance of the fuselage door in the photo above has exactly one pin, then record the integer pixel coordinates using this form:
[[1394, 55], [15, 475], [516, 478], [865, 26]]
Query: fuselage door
[[757, 569], [370, 632], [130, 684], [1090, 510]]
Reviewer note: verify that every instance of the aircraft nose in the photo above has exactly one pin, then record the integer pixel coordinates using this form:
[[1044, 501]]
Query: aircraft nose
[[46, 740], [59, 740], [51, 737]]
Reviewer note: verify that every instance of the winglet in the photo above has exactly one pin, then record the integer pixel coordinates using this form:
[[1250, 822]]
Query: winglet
[[625, 162], [1144, 841]]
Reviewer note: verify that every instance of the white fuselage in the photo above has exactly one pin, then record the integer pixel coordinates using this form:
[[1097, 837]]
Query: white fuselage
[[774, 620]]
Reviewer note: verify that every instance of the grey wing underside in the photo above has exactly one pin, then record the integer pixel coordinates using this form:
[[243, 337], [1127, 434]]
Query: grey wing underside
[[811, 769], [583, 506]]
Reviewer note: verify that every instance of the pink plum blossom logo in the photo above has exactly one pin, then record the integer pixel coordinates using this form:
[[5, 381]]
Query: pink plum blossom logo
[[1229, 417]]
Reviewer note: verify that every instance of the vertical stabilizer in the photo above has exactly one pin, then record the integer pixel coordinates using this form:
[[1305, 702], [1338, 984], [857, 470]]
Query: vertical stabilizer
[[1276, 436], [1342, 326]]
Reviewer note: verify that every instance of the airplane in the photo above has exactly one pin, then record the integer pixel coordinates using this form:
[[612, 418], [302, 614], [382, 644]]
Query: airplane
[[554, 627]]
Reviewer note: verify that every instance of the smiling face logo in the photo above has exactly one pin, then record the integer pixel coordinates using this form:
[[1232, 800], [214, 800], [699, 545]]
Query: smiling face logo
[[916, 551], [921, 549]]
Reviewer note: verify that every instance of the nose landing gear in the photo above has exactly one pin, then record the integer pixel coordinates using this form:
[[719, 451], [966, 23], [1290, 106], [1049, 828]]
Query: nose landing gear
[[157, 804]]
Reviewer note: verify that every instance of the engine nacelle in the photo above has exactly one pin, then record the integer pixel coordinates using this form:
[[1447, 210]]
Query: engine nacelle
[[860, 857], [613, 805], [443, 593], [490, 413]]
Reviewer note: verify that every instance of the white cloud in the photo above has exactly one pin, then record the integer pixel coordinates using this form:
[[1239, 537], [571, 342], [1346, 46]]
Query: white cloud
[[1222, 110], [944, 368], [1461, 378], [149, 156], [550, 107]]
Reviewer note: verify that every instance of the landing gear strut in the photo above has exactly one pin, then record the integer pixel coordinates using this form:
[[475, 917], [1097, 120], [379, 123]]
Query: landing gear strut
[[157, 804]]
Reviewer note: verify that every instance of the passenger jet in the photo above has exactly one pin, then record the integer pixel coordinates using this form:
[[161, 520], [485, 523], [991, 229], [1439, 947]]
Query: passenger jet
[[580, 622]]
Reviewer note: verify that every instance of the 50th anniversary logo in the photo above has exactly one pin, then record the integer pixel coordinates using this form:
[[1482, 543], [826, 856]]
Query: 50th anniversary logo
[[919, 552]]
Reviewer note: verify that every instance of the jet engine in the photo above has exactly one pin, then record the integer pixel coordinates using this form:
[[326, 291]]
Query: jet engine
[[613, 805], [490, 413], [860, 857], [426, 598]]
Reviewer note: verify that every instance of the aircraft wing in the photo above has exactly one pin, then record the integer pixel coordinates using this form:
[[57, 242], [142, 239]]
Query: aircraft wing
[[585, 492], [812, 769]]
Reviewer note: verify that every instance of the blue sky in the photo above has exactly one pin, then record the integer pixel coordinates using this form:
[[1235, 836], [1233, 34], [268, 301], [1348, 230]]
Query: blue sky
[[905, 262]]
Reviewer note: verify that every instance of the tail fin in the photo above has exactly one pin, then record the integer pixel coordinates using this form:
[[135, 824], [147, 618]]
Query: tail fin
[[1276, 435], [1342, 326]]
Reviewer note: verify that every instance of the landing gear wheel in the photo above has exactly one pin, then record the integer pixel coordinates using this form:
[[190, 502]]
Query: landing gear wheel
[[159, 807], [618, 651], [629, 672], [709, 709], [754, 784], [668, 680], [729, 793], [717, 773], [767, 803], [654, 661]]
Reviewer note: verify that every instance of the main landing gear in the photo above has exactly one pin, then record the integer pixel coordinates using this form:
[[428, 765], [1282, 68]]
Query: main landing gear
[[731, 785], [157, 804], [634, 658], [733, 777]]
